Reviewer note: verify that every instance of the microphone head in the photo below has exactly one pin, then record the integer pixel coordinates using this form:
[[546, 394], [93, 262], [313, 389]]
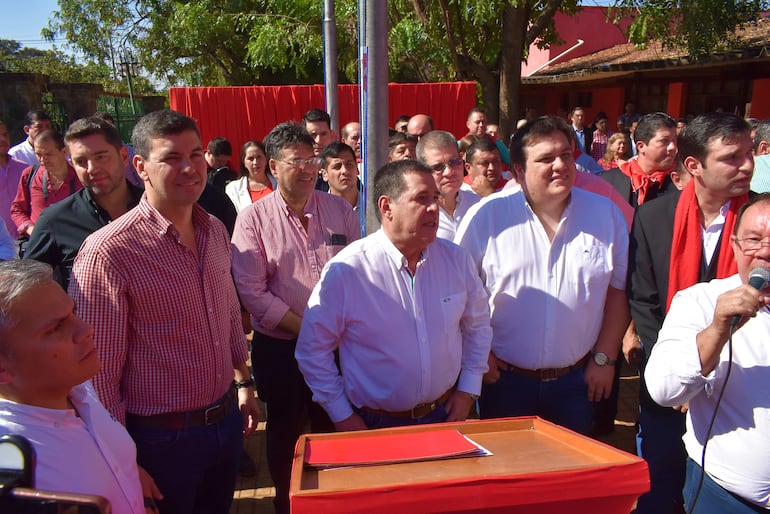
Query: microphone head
[[759, 278]]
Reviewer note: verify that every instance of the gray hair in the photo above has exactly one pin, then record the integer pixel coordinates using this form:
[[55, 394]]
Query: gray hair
[[16, 278], [434, 139]]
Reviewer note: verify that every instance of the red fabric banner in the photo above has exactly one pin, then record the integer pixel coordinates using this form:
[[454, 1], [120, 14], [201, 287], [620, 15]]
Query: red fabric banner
[[241, 113]]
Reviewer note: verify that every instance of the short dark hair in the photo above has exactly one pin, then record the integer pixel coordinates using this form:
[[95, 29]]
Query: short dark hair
[[244, 148], [285, 135], [333, 151], [389, 180], [35, 115], [576, 108], [401, 118], [399, 137], [761, 197], [219, 146], [480, 145], [696, 135], [650, 124], [85, 127], [51, 135], [763, 133], [105, 116], [474, 111], [315, 115], [532, 131], [159, 123]]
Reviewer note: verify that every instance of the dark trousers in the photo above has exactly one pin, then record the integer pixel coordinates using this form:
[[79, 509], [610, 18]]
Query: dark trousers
[[194, 467], [563, 401], [290, 409]]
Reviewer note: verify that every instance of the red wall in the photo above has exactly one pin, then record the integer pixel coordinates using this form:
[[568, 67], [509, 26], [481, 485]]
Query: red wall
[[250, 112], [760, 100], [590, 25]]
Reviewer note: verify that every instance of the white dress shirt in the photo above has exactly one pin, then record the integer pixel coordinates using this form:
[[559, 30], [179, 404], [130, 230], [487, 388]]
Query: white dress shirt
[[25, 153], [402, 340], [448, 223], [737, 453], [546, 298], [238, 192], [87, 452]]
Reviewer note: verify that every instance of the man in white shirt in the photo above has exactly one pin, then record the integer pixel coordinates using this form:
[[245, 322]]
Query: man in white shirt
[[47, 358], [407, 313], [691, 362], [556, 282], [35, 122], [438, 151]]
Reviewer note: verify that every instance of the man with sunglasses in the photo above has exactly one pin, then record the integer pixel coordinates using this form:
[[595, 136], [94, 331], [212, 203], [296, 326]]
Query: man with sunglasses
[[280, 245], [438, 151], [677, 241]]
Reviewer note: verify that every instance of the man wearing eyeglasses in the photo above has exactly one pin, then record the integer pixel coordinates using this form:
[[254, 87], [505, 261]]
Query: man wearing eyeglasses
[[691, 364], [556, 280], [438, 150], [280, 245], [677, 241]]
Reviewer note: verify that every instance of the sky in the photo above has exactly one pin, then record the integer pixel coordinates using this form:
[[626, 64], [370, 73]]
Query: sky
[[22, 20]]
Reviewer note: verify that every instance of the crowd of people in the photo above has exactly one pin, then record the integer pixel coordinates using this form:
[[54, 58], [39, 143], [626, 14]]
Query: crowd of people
[[510, 279]]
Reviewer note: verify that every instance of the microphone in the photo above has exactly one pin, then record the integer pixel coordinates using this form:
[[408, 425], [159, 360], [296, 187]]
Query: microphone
[[758, 279]]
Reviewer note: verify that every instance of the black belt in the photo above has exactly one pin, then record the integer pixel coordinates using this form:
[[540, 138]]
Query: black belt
[[543, 374], [416, 412], [211, 415]]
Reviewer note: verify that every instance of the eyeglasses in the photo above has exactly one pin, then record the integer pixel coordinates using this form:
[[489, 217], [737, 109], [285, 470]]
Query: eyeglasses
[[750, 246], [312, 163], [439, 168]]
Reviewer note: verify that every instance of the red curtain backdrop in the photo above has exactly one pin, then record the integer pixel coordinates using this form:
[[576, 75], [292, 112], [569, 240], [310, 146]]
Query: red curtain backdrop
[[250, 112]]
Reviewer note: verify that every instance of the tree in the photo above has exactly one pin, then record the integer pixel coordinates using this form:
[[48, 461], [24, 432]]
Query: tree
[[703, 27], [481, 40]]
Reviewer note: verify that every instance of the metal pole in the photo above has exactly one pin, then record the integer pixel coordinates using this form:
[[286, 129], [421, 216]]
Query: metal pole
[[374, 85], [330, 63]]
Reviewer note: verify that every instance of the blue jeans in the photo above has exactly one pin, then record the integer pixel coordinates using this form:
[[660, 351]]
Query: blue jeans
[[194, 468], [713, 498], [563, 401], [659, 442], [373, 420]]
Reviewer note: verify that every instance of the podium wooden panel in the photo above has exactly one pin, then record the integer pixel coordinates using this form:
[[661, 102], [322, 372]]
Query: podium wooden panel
[[537, 467]]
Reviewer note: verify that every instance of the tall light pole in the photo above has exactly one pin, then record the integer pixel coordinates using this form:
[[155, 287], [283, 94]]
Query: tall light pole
[[330, 64]]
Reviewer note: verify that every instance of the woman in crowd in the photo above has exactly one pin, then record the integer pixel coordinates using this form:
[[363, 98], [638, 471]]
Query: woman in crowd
[[255, 182], [617, 153]]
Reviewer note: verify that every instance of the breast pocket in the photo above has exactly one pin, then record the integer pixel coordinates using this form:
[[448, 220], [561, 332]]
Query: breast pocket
[[452, 308]]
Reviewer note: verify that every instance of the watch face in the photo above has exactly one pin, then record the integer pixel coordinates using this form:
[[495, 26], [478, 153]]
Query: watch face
[[600, 359]]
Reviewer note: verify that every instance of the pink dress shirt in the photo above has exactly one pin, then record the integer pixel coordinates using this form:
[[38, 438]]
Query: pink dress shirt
[[167, 325], [30, 202], [276, 263], [10, 176]]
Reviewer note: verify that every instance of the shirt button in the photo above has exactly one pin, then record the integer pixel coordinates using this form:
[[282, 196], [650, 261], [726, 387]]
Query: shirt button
[[216, 343]]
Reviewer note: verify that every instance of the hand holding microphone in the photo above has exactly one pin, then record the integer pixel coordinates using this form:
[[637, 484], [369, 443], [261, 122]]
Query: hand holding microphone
[[758, 279]]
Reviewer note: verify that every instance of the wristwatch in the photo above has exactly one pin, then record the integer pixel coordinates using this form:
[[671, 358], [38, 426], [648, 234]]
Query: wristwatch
[[601, 359], [244, 384]]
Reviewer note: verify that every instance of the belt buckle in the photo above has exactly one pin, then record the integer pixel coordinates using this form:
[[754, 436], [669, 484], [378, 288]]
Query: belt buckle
[[549, 374], [211, 411], [430, 406]]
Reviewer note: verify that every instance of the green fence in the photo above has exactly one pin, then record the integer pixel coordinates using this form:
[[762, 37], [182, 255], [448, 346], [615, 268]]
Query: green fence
[[120, 109]]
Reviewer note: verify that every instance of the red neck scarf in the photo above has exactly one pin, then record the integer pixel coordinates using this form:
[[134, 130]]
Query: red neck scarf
[[687, 245], [640, 180]]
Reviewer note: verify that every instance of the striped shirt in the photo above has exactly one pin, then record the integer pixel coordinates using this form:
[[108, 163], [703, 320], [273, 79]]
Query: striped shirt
[[276, 263], [167, 325]]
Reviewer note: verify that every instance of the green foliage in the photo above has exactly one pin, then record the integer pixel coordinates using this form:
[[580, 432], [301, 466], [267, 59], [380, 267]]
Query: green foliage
[[702, 26]]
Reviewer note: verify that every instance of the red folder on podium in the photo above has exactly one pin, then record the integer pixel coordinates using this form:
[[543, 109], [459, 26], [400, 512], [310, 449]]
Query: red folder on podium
[[388, 448]]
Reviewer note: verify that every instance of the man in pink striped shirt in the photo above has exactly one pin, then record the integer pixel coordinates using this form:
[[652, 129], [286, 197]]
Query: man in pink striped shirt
[[280, 245], [155, 285]]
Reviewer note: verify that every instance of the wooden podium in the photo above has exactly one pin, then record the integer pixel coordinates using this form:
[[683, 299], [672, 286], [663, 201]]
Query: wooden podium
[[536, 467]]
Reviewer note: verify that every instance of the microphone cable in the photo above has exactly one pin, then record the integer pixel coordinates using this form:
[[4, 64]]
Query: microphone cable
[[713, 419]]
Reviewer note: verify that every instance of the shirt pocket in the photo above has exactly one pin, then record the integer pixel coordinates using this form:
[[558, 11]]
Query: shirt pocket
[[452, 308]]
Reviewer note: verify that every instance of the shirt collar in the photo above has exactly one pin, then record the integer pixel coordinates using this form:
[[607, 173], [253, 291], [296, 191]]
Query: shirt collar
[[162, 225], [310, 206], [395, 255]]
